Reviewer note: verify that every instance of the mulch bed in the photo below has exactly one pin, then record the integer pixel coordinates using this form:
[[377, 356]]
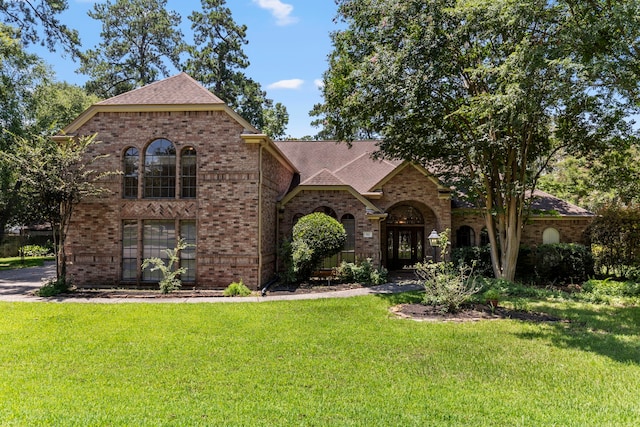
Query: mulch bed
[[468, 313]]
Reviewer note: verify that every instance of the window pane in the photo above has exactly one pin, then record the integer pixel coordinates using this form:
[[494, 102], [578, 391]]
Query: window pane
[[348, 253], [129, 250], [130, 166], [188, 255], [188, 168], [160, 170], [157, 236]]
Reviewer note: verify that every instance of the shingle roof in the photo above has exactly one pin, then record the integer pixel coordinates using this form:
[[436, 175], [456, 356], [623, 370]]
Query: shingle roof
[[545, 202], [180, 89], [352, 166]]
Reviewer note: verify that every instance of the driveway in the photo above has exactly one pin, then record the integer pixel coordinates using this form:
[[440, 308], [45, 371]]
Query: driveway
[[16, 284]]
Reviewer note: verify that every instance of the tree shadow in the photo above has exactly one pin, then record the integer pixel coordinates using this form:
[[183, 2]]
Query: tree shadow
[[612, 332]]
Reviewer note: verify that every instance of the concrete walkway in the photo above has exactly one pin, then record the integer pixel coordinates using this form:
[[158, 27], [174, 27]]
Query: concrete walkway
[[18, 285]]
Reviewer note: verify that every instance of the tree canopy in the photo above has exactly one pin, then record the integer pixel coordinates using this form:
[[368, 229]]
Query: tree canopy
[[487, 90], [138, 37]]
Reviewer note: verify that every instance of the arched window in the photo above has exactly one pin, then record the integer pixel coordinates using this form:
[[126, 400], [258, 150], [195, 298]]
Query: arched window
[[326, 210], [405, 215], [465, 236], [130, 167], [348, 253], [550, 235], [160, 170], [188, 173]]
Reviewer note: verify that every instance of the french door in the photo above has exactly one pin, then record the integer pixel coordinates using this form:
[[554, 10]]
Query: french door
[[405, 246]]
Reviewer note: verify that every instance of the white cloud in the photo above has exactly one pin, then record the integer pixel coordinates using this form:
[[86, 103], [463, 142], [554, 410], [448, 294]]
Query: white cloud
[[280, 11], [319, 83], [286, 84]]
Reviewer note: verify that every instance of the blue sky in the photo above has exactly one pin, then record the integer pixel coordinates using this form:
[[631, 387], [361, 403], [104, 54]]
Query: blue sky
[[288, 47]]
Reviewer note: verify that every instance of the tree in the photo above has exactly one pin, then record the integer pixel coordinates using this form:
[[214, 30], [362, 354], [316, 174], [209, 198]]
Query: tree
[[487, 90], [60, 176], [20, 75], [216, 60], [30, 16], [138, 36]]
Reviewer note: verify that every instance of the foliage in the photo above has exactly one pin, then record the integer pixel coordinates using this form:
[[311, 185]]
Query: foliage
[[478, 257], [315, 237], [170, 274], [611, 288], [488, 90], [236, 289], [59, 174], [447, 285], [54, 287], [29, 17], [19, 262], [562, 262], [216, 59], [138, 36], [37, 250], [615, 234], [361, 272]]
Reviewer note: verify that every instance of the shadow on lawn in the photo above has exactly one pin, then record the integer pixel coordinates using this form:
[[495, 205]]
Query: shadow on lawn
[[609, 331]]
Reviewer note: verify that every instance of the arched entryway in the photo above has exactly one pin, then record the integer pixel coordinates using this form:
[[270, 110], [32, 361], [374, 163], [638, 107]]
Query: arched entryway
[[405, 235]]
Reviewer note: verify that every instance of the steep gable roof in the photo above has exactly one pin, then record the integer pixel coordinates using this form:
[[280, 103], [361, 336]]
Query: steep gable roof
[[180, 89], [177, 93]]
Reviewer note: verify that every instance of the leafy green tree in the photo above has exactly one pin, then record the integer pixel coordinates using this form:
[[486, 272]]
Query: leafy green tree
[[36, 16], [56, 104], [488, 90], [59, 175], [20, 75], [216, 59], [138, 37]]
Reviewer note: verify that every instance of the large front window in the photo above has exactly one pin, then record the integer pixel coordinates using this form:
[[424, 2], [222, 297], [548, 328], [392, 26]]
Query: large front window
[[157, 237], [160, 170]]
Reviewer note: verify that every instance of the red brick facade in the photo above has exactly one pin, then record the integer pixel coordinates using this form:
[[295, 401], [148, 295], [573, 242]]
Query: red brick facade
[[249, 192]]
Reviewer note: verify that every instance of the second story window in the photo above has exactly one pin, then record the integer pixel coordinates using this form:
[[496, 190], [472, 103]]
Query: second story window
[[160, 170], [188, 173], [130, 166]]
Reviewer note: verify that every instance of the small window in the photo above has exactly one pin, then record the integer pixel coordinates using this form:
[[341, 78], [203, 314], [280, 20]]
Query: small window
[[348, 253], [188, 173], [465, 236], [130, 166], [188, 255], [327, 211], [129, 250], [550, 236], [160, 170]]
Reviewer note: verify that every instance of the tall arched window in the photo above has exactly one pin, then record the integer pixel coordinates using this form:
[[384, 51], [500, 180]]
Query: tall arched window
[[130, 167], [160, 170], [465, 236], [188, 173], [326, 210], [550, 235], [348, 253]]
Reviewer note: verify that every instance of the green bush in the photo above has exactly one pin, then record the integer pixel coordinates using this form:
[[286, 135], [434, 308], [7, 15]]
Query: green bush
[[361, 272], [315, 237], [447, 286], [54, 287], [611, 288], [36, 250], [237, 289], [477, 257], [563, 262]]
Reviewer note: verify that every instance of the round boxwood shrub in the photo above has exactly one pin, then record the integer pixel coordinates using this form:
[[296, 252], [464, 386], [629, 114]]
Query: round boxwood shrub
[[315, 237]]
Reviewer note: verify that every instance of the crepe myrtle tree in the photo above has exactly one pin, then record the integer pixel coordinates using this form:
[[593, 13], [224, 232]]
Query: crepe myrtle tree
[[484, 92], [56, 176]]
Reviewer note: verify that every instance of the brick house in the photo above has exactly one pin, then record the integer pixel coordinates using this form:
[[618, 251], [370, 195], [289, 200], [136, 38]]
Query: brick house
[[194, 169]]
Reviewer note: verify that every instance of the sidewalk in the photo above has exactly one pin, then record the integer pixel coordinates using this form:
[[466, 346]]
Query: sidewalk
[[17, 285]]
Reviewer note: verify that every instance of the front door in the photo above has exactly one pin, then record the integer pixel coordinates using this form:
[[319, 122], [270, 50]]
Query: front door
[[405, 246]]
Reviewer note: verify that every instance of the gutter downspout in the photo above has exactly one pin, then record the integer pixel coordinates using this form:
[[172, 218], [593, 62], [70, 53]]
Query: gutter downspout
[[260, 217]]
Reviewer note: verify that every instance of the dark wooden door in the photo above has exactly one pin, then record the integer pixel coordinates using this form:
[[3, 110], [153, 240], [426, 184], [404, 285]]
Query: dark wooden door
[[405, 246]]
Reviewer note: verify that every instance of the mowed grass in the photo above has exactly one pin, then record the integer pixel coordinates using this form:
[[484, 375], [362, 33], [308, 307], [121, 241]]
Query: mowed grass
[[316, 363], [19, 262]]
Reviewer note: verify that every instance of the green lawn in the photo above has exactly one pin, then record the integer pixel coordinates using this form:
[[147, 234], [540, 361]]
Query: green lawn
[[316, 363], [18, 262]]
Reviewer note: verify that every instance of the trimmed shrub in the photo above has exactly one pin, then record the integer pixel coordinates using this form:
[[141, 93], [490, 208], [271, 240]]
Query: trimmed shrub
[[361, 272], [315, 237], [447, 286], [563, 262]]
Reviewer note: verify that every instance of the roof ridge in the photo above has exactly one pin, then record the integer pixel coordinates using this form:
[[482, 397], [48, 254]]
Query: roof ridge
[[320, 172]]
